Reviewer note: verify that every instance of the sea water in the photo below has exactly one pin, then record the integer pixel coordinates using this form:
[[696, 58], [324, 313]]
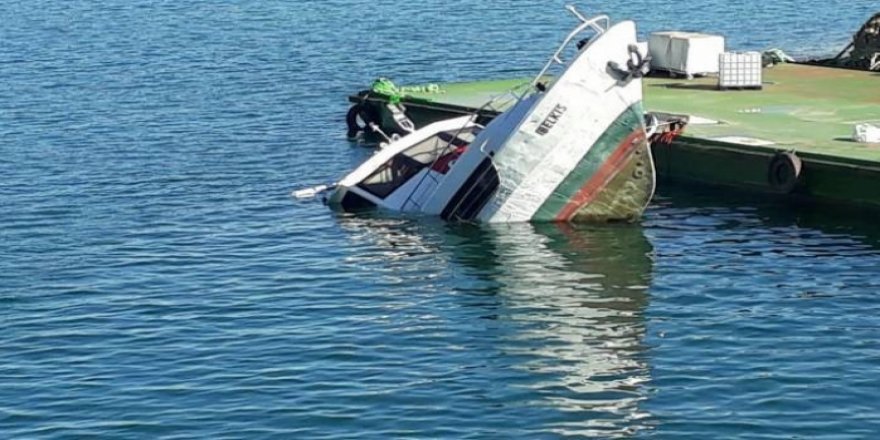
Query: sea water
[[158, 281]]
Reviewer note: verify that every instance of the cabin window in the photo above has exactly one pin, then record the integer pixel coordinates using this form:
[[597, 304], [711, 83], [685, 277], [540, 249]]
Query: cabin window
[[402, 167], [473, 195], [430, 149], [390, 176]]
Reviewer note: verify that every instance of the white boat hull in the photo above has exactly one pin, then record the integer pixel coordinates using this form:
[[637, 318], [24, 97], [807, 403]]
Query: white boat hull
[[577, 151]]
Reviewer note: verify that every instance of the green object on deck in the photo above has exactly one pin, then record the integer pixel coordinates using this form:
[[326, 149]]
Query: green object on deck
[[386, 87]]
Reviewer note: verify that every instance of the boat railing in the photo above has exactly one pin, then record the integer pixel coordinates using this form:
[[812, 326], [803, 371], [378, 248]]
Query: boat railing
[[599, 24], [498, 104], [506, 100]]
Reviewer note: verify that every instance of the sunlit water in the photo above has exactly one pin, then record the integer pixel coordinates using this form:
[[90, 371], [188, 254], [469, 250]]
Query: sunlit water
[[157, 281]]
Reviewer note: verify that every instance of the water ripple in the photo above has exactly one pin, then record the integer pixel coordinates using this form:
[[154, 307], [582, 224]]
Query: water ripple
[[157, 281]]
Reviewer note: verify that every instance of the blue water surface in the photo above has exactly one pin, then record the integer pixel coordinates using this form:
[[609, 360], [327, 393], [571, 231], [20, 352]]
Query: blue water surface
[[157, 280]]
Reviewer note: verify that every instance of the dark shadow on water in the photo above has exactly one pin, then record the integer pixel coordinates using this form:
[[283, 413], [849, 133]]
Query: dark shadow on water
[[774, 211], [616, 258], [620, 253]]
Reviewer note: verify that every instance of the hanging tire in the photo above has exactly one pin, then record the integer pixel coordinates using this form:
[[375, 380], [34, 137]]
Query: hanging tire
[[366, 113], [784, 172]]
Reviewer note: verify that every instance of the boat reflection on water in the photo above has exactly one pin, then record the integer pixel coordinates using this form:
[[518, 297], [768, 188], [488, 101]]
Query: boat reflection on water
[[577, 295], [561, 312]]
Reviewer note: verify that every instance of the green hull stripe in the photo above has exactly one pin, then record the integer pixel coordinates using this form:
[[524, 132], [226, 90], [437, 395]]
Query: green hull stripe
[[622, 127]]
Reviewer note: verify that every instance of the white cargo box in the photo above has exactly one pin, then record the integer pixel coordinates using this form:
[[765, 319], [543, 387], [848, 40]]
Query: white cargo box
[[686, 53], [740, 70]]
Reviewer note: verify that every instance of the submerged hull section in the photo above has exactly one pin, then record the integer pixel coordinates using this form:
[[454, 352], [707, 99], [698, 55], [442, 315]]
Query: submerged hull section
[[614, 181]]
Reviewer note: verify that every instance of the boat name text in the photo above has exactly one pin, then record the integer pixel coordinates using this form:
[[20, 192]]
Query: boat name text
[[551, 119]]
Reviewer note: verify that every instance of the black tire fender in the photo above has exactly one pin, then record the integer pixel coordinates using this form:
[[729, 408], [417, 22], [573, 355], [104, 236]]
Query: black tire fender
[[366, 113], [784, 172]]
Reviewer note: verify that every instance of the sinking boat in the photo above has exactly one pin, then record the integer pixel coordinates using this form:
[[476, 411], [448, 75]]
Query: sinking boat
[[574, 149]]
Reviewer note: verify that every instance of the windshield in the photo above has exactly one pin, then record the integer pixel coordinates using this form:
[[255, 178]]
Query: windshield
[[391, 176], [430, 149], [402, 167]]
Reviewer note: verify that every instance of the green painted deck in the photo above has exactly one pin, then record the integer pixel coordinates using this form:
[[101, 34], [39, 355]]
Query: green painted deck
[[802, 108], [468, 94]]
